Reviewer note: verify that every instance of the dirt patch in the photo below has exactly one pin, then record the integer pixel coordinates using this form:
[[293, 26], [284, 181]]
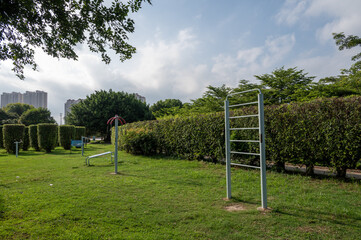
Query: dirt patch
[[235, 208], [264, 210]]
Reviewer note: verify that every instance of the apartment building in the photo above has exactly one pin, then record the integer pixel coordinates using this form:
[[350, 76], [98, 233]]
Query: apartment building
[[36, 99]]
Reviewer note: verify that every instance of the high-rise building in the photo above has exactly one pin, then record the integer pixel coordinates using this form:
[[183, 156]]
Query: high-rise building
[[36, 99], [68, 104], [139, 97]]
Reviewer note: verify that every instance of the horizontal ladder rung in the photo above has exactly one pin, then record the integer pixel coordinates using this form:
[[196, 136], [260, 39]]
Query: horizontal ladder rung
[[246, 153], [255, 128], [244, 116], [243, 104], [254, 141], [244, 165]]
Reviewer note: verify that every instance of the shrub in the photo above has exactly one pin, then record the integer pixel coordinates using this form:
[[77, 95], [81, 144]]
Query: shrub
[[47, 136], [33, 137], [1, 137], [26, 141], [13, 133], [143, 143], [79, 132], [66, 134], [323, 132]]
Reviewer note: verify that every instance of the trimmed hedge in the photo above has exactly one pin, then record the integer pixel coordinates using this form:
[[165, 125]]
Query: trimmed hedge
[[33, 137], [193, 137], [1, 137], [79, 132], [143, 143], [26, 141], [47, 136], [13, 133], [323, 132], [66, 134]]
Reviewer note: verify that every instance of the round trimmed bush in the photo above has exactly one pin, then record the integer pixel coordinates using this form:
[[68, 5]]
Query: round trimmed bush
[[79, 132], [26, 141], [47, 133], [33, 137], [13, 133], [66, 134]]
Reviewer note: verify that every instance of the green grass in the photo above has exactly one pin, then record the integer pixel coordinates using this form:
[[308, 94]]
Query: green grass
[[164, 198]]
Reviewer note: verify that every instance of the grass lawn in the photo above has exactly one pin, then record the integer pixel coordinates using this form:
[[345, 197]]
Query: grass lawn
[[55, 196]]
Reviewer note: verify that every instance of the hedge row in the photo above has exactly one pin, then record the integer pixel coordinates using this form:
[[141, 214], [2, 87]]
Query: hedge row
[[192, 137], [41, 136], [322, 132]]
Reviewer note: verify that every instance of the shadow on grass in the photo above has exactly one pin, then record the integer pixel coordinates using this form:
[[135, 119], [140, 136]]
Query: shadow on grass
[[309, 214], [239, 200], [57, 151], [183, 181], [105, 165]]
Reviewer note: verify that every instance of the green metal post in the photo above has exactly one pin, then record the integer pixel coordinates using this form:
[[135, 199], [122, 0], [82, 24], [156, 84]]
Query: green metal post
[[262, 146], [116, 145], [228, 149], [82, 145]]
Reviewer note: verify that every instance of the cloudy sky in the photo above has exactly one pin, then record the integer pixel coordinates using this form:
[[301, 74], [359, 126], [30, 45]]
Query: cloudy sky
[[185, 45]]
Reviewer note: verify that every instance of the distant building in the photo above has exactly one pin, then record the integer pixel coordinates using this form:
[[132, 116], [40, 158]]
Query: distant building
[[140, 98], [68, 105], [36, 99]]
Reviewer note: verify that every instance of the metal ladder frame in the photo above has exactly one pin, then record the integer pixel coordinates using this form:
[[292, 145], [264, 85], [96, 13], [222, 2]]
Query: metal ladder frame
[[261, 141]]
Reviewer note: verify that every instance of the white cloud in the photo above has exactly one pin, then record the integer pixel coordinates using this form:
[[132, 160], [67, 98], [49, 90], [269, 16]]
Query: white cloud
[[256, 60], [291, 12], [324, 66], [340, 16], [166, 67], [249, 55]]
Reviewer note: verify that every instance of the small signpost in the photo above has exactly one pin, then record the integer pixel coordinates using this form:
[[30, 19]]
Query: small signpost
[[83, 140], [17, 148], [110, 121]]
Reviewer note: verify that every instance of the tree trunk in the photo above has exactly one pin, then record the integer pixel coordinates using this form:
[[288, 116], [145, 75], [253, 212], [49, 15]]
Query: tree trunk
[[341, 172], [310, 170], [279, 166]]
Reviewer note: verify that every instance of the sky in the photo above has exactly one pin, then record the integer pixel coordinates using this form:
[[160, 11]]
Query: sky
[[183, 46]]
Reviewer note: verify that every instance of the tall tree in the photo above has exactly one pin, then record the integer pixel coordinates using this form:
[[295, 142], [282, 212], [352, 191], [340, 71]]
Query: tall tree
[[350, 78], [212, 100], [17, 108], [94, 111], [58, 26], [163, 107], [348, 42], [282, 84], [36, 116]]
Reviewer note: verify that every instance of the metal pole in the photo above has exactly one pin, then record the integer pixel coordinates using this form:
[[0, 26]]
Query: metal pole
[[228, 149], [262, 146], [17, 148], [116, 145], [82, 145]]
